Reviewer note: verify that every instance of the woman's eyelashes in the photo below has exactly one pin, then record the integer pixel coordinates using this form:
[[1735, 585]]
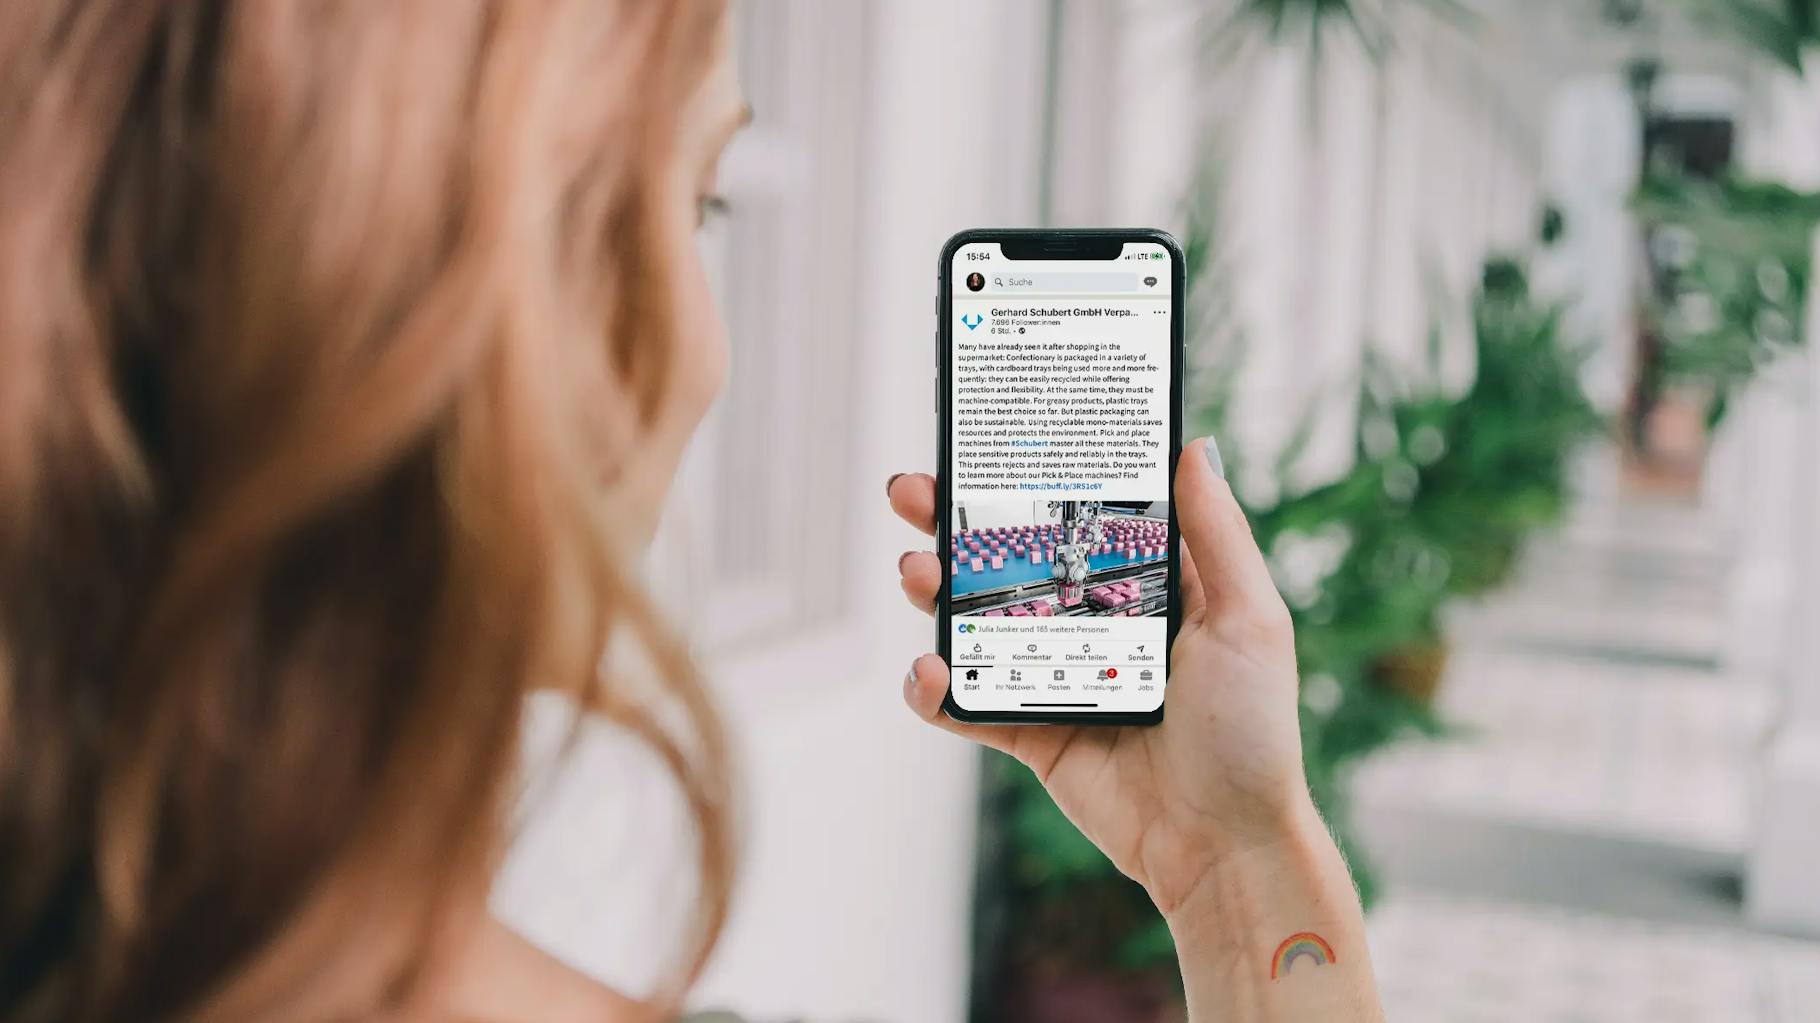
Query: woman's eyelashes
[[710, 207]]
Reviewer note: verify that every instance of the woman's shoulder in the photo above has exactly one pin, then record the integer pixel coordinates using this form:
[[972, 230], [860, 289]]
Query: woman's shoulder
[[504, 978], [507, 979]]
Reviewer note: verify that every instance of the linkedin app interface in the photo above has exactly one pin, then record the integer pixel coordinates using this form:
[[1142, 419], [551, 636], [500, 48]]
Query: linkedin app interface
[[1058, 553]]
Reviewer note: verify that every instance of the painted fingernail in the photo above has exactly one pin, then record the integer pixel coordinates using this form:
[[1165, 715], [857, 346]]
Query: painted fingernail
[[894, 478], [1213, 458], [901, 558]]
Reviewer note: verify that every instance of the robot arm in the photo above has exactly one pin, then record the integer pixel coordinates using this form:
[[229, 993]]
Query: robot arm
[[1082, 535]]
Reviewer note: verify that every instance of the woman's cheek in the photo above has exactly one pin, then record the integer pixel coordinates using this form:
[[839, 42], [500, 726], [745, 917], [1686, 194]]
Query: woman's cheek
[[703, 345]]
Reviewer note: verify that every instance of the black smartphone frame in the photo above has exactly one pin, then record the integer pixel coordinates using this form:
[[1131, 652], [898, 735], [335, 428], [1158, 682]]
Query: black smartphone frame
[[1060, 244]]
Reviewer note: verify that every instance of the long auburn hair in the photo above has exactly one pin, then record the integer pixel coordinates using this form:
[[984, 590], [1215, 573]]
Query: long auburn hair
[[324, 325]]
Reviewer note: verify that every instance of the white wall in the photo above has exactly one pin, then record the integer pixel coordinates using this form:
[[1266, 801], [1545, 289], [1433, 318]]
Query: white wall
[[1152, 144], [1775, 591], [1592, 145]]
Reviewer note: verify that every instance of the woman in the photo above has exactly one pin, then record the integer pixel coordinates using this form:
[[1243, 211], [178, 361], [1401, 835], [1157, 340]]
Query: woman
[[348, 350]]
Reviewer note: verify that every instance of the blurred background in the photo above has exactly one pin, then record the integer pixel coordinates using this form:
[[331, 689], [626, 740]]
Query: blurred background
[[1498, 313]]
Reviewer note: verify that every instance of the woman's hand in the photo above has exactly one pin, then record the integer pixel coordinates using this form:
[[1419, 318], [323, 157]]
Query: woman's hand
[[1209, 811], [1221, 777]]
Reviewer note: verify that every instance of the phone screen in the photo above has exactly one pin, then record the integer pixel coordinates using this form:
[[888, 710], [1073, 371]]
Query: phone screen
[[1061, 391]]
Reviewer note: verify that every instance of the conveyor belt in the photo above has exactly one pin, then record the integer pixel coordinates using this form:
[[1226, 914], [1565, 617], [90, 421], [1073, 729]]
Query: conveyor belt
[[1154, 599]]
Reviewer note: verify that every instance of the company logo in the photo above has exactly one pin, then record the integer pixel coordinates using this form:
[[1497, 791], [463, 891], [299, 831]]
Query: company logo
[[973, 320]]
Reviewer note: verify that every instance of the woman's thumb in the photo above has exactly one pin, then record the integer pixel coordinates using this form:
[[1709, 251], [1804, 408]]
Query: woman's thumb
[[1232, 570]]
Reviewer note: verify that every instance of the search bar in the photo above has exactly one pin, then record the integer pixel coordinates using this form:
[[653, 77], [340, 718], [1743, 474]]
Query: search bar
[[1072, 283]]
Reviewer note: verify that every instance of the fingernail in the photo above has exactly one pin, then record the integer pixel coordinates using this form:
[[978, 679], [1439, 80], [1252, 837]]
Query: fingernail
[[1213, 458], [910, 678], [901, 558], [894, 478]]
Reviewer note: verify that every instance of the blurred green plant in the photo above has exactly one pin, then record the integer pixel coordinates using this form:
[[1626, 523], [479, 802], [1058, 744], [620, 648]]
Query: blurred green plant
[[1552, 226], [1737, 256], [1778, 29], [1441, 494]]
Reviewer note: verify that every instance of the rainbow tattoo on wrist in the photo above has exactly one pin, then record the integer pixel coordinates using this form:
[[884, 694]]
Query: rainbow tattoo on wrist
[[1306, 945]]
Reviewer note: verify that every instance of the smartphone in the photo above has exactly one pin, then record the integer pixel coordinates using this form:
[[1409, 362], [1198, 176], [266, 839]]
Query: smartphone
[[1059, 403]]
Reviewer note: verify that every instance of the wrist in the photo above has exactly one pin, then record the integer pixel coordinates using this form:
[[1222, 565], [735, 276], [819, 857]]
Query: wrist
[[1280, 911], [1294, 867]]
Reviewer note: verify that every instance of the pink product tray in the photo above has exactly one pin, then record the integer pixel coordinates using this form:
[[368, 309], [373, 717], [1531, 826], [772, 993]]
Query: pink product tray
[[1106, 596]]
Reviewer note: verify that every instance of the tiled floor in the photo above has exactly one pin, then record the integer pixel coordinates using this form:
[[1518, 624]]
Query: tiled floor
[[1646, 751], [1573, 852], [1457, 961], [1634, 582]]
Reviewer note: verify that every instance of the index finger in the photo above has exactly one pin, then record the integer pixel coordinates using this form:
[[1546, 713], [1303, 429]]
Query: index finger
[[912, 497]]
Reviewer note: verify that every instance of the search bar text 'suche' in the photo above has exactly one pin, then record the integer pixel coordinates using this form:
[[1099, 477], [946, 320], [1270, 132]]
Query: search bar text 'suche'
[[1106, 282]]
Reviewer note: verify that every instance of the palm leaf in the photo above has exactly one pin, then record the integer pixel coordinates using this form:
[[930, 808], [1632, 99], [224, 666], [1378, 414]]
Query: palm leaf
[[1230, 27], [1778, 29]]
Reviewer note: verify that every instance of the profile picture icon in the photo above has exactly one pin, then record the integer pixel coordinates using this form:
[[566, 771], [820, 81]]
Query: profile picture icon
[[976, 281]]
